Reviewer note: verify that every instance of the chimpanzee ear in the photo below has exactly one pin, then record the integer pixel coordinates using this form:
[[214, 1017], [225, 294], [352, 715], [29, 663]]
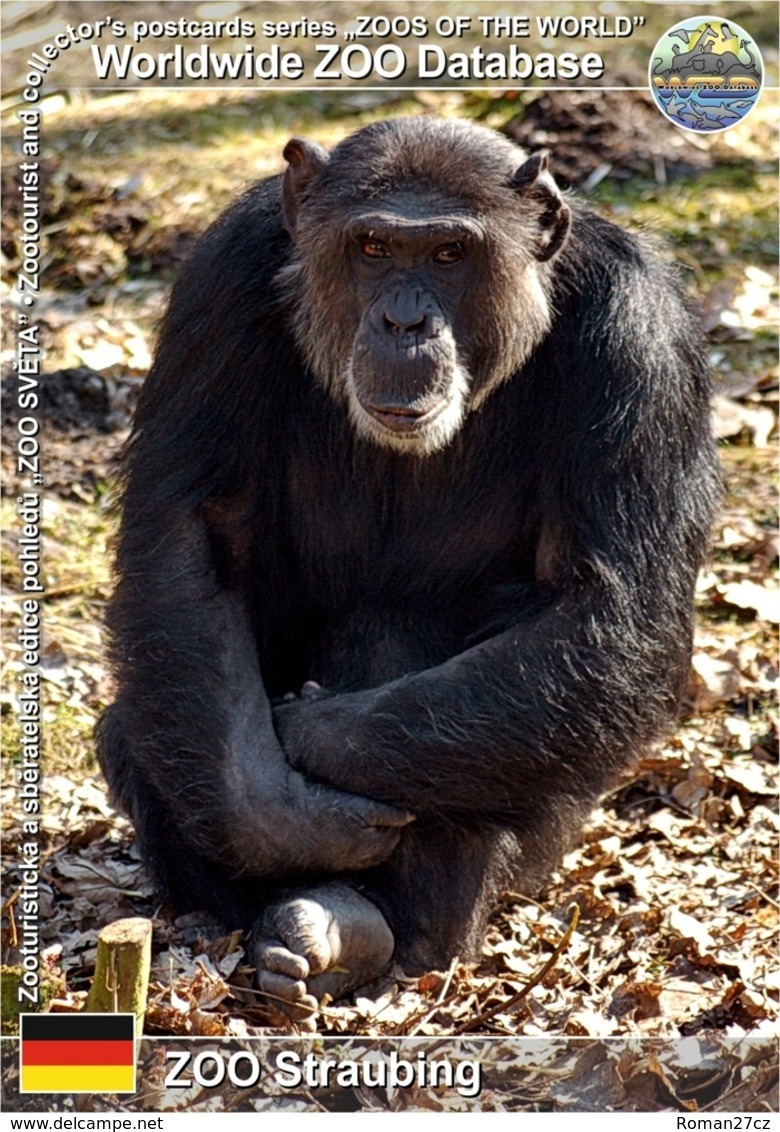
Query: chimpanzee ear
[[534, 181], [305, 160]]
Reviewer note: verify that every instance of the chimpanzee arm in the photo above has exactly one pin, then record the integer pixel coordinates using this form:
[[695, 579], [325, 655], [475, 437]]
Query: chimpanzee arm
[[544, 713], [549, 706], [190, 736]]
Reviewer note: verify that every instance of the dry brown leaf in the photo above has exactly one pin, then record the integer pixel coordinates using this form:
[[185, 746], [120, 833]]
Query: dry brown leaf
[[98, 880], [713, 681], [730, 418], [690, 928], [207, 1025], [750, 595], [590, 1023], [753, 778]]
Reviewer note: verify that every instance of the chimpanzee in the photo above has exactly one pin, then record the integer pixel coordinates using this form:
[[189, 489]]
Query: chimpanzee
[[416, 495]]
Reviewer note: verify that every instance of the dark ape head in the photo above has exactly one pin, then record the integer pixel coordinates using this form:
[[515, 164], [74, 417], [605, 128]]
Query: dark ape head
[[420, 274]]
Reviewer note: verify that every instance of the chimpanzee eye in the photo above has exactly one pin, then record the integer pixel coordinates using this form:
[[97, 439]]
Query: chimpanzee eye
[[449, 253], [375, 249]]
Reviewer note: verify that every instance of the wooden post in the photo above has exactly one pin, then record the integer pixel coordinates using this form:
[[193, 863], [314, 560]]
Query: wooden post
[[124, 956]]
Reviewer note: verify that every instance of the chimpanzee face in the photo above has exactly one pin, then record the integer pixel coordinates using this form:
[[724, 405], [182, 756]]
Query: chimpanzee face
[[415, 298]]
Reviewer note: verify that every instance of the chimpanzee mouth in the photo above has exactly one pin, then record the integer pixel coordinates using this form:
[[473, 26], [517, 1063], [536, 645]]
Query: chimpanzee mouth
[[419, 435], [419, 427], [406, 420]]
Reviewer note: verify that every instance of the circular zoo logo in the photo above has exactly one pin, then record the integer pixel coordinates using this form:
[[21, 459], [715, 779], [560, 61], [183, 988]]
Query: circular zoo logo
[[706, 74]]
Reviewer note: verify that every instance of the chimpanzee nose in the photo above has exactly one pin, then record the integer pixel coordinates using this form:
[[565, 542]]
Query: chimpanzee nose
[[396, 321]]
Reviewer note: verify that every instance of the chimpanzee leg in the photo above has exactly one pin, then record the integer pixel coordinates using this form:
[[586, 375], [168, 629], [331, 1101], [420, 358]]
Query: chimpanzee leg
[[190, 880], [424, 905]]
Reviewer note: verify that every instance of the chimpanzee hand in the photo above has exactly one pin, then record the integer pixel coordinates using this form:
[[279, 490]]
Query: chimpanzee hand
[[281, 822], [320, 734]]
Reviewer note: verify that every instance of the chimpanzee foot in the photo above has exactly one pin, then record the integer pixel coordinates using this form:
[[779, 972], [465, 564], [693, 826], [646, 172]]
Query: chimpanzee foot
[[320, 941]]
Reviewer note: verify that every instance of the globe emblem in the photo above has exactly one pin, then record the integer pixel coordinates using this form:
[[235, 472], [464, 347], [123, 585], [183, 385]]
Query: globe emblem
[[705, 74]]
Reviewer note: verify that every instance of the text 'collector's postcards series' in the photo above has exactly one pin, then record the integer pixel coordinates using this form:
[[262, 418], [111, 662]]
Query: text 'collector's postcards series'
[[389, 713]]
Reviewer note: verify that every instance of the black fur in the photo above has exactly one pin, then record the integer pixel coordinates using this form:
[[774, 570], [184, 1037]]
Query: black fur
[[500, 624]]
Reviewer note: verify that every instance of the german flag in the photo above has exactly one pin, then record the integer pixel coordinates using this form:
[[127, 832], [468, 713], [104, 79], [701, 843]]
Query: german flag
[[77, 1053]]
